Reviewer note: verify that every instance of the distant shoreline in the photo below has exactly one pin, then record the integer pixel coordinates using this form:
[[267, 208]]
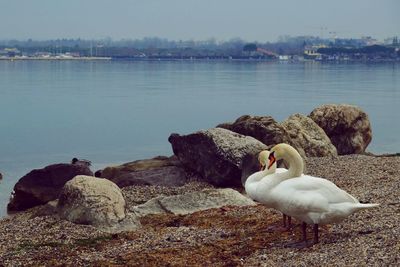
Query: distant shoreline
[[152, 59], [54, 58]]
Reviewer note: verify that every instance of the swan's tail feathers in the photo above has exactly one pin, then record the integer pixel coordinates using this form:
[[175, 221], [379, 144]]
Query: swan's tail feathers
[[366, 206]]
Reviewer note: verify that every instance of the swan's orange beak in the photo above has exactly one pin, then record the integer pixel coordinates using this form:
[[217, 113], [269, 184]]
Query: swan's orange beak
[[272, 159]]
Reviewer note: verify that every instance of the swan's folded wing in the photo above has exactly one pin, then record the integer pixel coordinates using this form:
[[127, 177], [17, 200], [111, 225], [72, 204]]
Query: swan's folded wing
[[280, 170], [315, 185], [294, 202]]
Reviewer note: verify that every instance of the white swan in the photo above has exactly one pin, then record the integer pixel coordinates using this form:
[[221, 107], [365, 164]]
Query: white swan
[[309, 199], [255, 183]]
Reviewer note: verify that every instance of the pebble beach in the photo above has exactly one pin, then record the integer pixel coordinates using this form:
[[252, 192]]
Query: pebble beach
[[227, 236]]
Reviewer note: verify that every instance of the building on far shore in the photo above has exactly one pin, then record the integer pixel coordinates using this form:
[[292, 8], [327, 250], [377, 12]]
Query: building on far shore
[[10, 52], [311, 52]]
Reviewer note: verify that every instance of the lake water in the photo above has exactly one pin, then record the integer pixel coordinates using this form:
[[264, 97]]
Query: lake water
[[118, 111]]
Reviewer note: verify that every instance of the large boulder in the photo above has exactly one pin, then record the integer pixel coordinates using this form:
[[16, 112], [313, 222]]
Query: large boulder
[[216, 154], [347, 126], [163, 171], [42, 185], [307, 137], [90, 200], [193, 202], [262, 128]]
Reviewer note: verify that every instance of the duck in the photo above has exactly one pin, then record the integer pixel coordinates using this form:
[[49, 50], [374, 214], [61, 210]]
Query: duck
[[83, 162], [254, 185], [311, 200]]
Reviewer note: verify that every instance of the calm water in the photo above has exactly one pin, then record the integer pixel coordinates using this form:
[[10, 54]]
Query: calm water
[[114, 112]]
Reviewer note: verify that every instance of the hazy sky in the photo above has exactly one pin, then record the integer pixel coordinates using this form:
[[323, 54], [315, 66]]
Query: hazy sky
[[260, 20]]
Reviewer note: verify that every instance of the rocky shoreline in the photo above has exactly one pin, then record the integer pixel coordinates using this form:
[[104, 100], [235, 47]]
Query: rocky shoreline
[[190, 209], [238, 236]]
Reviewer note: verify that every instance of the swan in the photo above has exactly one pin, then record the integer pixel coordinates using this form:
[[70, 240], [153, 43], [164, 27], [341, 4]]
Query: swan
[[312, 200], [254, 185]]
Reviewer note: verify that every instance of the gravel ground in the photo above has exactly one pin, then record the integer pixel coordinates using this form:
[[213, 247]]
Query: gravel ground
[[229, 236], [135, 195]]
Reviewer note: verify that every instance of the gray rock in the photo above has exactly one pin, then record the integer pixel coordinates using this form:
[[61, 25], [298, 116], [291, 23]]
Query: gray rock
[[48, 209], [90, 200], [216, 154], [250, 165], [129, 223], [43, 185], [165, 176], [262, 128], [347, 126], [307, 137], [193, 202], [161, 171], [152, 206]]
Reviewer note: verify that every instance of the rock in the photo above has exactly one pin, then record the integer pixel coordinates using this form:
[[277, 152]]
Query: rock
[[307, 137], [50, 208], [1, 176], [193, 202], [90, 200], [162, 171], [262, 128], [153, 206], [129, 223], [165, 176], [216, 154], [250, 165], [43, 185], [347, 126]]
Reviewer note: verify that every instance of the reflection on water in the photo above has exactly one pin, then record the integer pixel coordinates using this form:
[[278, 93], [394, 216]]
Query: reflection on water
[[118, 111]]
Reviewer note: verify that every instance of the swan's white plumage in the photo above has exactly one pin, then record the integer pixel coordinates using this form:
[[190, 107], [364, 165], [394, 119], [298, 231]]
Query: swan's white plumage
[[254, 182], [312, 200]]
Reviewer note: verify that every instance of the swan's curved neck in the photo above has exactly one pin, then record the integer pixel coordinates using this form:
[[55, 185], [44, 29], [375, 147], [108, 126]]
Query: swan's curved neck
[[296, 165]]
